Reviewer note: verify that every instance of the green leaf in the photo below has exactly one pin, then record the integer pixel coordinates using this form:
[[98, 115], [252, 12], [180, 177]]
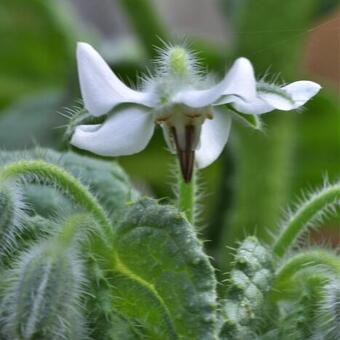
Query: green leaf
[[161, 278], [105, 178]]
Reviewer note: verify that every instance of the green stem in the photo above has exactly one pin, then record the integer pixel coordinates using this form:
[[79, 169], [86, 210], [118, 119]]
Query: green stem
[[31, 170], [71, 228], [304, 215], [320, 262], [186, 197]]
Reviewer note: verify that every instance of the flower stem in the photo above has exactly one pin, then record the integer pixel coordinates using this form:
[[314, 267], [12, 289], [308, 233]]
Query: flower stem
[[186, 196], [304, 215], [71, 228]]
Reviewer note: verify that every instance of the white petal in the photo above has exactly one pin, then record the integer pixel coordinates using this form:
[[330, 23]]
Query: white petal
[[277, 101], [238, 82], [124, 133], [297, 94], [214, 136], [301, 91], [293, 96], [100, 87], [254, 107]]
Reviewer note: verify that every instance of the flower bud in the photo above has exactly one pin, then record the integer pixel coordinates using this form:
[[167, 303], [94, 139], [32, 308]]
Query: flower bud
[[42, 298], [250, 280], [179, 61]]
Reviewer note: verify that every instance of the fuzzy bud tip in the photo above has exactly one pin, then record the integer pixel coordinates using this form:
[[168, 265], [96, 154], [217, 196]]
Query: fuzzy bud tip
[[179, 61]]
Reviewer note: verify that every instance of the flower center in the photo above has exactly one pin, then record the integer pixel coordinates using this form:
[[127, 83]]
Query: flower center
[[179, 114], [182, 129], [185, 149]]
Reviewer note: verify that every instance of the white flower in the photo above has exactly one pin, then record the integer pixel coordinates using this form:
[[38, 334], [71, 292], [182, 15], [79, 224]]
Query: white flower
[[195, 118]]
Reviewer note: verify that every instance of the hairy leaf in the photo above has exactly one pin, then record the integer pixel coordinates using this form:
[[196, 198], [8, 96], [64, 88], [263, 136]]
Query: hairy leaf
[[161, 278], [105, 178]]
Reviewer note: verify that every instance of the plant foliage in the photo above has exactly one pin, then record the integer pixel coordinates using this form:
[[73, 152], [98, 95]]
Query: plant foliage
[[83, 255]]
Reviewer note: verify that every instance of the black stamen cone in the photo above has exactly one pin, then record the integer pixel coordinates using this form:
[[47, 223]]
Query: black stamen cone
[[186, 160], [186, 155]]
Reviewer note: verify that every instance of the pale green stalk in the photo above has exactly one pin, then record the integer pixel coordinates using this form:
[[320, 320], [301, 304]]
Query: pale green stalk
[[186, 197], [308, 211]]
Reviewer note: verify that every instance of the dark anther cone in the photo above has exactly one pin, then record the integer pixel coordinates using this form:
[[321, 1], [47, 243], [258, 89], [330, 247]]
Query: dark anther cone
[[186, 160], [186, 154]]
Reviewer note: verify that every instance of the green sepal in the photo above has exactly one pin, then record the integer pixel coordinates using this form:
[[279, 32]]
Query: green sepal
[[248, 120]]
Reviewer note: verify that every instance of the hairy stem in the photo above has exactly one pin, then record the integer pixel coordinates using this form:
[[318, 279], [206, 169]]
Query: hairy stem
[[304, 215], [32, 170], [186, 197], [71, 227]]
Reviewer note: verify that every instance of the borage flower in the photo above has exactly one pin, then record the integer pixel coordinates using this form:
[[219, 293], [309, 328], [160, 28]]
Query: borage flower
[[195, 118]]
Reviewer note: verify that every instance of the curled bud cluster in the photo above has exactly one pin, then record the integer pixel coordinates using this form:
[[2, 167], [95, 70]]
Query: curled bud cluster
[[43, 294], [250, 280]]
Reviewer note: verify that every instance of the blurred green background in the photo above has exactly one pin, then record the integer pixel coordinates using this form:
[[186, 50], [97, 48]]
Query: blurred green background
[[259, 172]]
